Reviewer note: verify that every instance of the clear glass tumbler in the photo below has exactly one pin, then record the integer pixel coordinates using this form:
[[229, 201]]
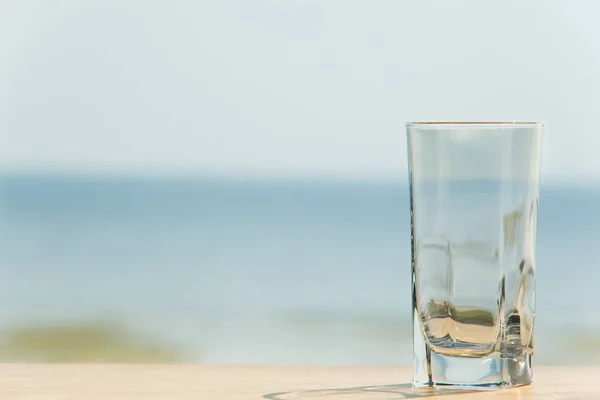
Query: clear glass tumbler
[[474, 198]]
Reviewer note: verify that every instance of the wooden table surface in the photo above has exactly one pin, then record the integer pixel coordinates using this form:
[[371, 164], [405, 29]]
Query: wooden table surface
[[173, 382]]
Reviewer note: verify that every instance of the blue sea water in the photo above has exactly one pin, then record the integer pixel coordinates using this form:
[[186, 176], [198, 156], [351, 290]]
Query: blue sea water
[[263, 272]]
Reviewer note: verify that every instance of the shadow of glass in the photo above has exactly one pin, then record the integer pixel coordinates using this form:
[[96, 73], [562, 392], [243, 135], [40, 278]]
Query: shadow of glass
[[379, 392]]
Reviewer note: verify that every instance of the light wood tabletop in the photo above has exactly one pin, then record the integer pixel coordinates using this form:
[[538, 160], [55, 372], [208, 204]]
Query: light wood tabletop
[[173, 382]]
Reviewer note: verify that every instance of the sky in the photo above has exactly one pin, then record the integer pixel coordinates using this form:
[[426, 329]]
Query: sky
[[311, 88]]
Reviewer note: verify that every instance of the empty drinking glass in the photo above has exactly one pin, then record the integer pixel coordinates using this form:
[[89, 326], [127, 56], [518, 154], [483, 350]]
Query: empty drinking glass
[[474, 197]]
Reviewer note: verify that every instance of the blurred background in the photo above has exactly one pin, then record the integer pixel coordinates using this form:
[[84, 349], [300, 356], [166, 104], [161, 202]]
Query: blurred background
[[226, 181]]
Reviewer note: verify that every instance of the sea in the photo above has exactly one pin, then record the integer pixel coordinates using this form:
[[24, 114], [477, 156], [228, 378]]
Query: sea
[[251, 271]]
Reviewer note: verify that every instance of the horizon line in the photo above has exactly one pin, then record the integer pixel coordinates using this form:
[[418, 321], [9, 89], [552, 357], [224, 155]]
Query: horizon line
[[153, 174]]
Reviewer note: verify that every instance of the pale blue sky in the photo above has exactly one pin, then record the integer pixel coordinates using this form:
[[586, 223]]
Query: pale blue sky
[[287, 87]]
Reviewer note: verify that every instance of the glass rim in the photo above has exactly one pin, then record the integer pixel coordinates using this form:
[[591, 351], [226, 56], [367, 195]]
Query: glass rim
[[490, 124]]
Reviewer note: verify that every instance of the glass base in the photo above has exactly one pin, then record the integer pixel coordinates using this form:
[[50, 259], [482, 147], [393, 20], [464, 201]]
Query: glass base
[[475, 373], [431, 369]]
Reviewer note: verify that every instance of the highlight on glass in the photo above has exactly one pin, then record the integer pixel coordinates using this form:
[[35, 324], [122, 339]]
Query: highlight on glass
[[474, 189]]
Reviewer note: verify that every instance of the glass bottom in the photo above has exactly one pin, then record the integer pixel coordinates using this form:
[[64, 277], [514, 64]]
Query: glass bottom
[[475, 373], [431, 369]]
